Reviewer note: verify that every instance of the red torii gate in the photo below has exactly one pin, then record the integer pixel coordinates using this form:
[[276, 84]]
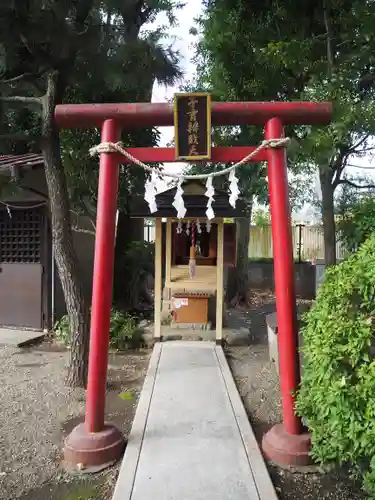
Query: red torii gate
[[95, 443]]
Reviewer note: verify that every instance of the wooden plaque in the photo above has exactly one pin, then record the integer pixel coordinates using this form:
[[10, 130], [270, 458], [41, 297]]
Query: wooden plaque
[[192, 125]]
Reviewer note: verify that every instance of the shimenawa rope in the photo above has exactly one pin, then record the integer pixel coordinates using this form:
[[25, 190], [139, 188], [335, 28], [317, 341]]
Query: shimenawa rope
[[117, 147]]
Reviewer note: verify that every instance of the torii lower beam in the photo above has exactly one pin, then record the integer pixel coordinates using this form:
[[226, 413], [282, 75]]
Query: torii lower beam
[[95, 443], [167, 155]]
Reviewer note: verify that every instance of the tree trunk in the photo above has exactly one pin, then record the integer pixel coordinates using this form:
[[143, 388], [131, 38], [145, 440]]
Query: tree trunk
[[328, 216], [66, 258]]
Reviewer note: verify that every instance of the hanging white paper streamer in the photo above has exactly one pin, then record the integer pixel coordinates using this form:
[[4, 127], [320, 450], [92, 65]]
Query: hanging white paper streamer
[[187, 230], [198, 225], [150, 192], [179, 227], [210, 191], [233, 188], [178, 202], [208, 226]]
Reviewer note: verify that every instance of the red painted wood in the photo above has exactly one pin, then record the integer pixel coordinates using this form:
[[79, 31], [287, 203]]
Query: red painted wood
[[167, 155], [102, 283], [284, 278]]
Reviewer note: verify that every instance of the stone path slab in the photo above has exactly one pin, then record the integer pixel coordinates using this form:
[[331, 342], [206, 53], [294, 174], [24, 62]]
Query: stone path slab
[[19, 338], [191, 438]]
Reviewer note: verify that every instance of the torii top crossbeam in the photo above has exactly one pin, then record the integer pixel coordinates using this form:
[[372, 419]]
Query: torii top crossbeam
[[223, 113]]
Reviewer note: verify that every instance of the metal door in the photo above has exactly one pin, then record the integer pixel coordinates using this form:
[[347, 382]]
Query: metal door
[[21, 271]]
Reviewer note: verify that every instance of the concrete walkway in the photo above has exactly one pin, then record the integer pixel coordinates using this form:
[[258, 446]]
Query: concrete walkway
[[191, 438], [19, 338]]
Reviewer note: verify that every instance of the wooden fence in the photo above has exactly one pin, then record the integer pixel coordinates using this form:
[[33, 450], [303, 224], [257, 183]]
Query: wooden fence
[[308, 243]]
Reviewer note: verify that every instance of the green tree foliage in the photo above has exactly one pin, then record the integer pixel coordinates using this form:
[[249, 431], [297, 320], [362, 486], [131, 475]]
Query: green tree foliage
[[338, 382], [261, 217], [225, 60], [318, 50], [35, 71], [73, 51], [132, 59]]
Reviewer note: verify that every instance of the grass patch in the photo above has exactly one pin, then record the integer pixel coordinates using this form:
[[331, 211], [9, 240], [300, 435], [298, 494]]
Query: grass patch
[[83, 493]]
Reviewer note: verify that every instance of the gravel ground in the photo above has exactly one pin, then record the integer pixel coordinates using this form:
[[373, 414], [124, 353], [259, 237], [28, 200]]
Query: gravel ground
[[258, 384], [38, 410]]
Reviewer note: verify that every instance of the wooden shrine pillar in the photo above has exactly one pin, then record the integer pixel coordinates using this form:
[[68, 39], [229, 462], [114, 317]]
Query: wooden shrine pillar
[[168, 252], [220, 281], [158, 278]]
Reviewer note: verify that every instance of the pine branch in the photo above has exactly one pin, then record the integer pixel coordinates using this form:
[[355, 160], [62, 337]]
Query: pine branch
[[145, 14], [21, 77], [32, 78], [366, 150], [40, 55], [338, 166], [81, 230], [89, 213], [88, 216], [359, 143], [360, 166], [19, 138], [356, 186], [327, 23], [22, 100], [83, 9]]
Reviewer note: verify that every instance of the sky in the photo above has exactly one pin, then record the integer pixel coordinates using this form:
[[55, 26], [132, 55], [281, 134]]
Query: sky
[[183, 41]]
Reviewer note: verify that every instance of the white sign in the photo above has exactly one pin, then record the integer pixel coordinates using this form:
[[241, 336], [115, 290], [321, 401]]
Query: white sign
[[180, 302]]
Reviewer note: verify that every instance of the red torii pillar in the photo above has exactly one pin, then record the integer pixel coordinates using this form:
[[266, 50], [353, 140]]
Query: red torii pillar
[[95, 443]]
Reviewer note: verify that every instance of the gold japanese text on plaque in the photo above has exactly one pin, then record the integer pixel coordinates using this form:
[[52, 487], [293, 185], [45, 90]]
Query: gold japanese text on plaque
[[192, 125]]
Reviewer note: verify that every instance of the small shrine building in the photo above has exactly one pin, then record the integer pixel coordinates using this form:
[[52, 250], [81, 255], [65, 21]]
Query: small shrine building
[[191, 254]]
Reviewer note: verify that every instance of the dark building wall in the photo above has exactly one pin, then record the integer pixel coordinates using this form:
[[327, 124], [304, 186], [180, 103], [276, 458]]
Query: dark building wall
[[84, 247], [261, 275], [82, 241]]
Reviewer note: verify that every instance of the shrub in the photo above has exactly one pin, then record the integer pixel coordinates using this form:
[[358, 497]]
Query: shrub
[[62, 330], [123, 334], [337, 394]]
